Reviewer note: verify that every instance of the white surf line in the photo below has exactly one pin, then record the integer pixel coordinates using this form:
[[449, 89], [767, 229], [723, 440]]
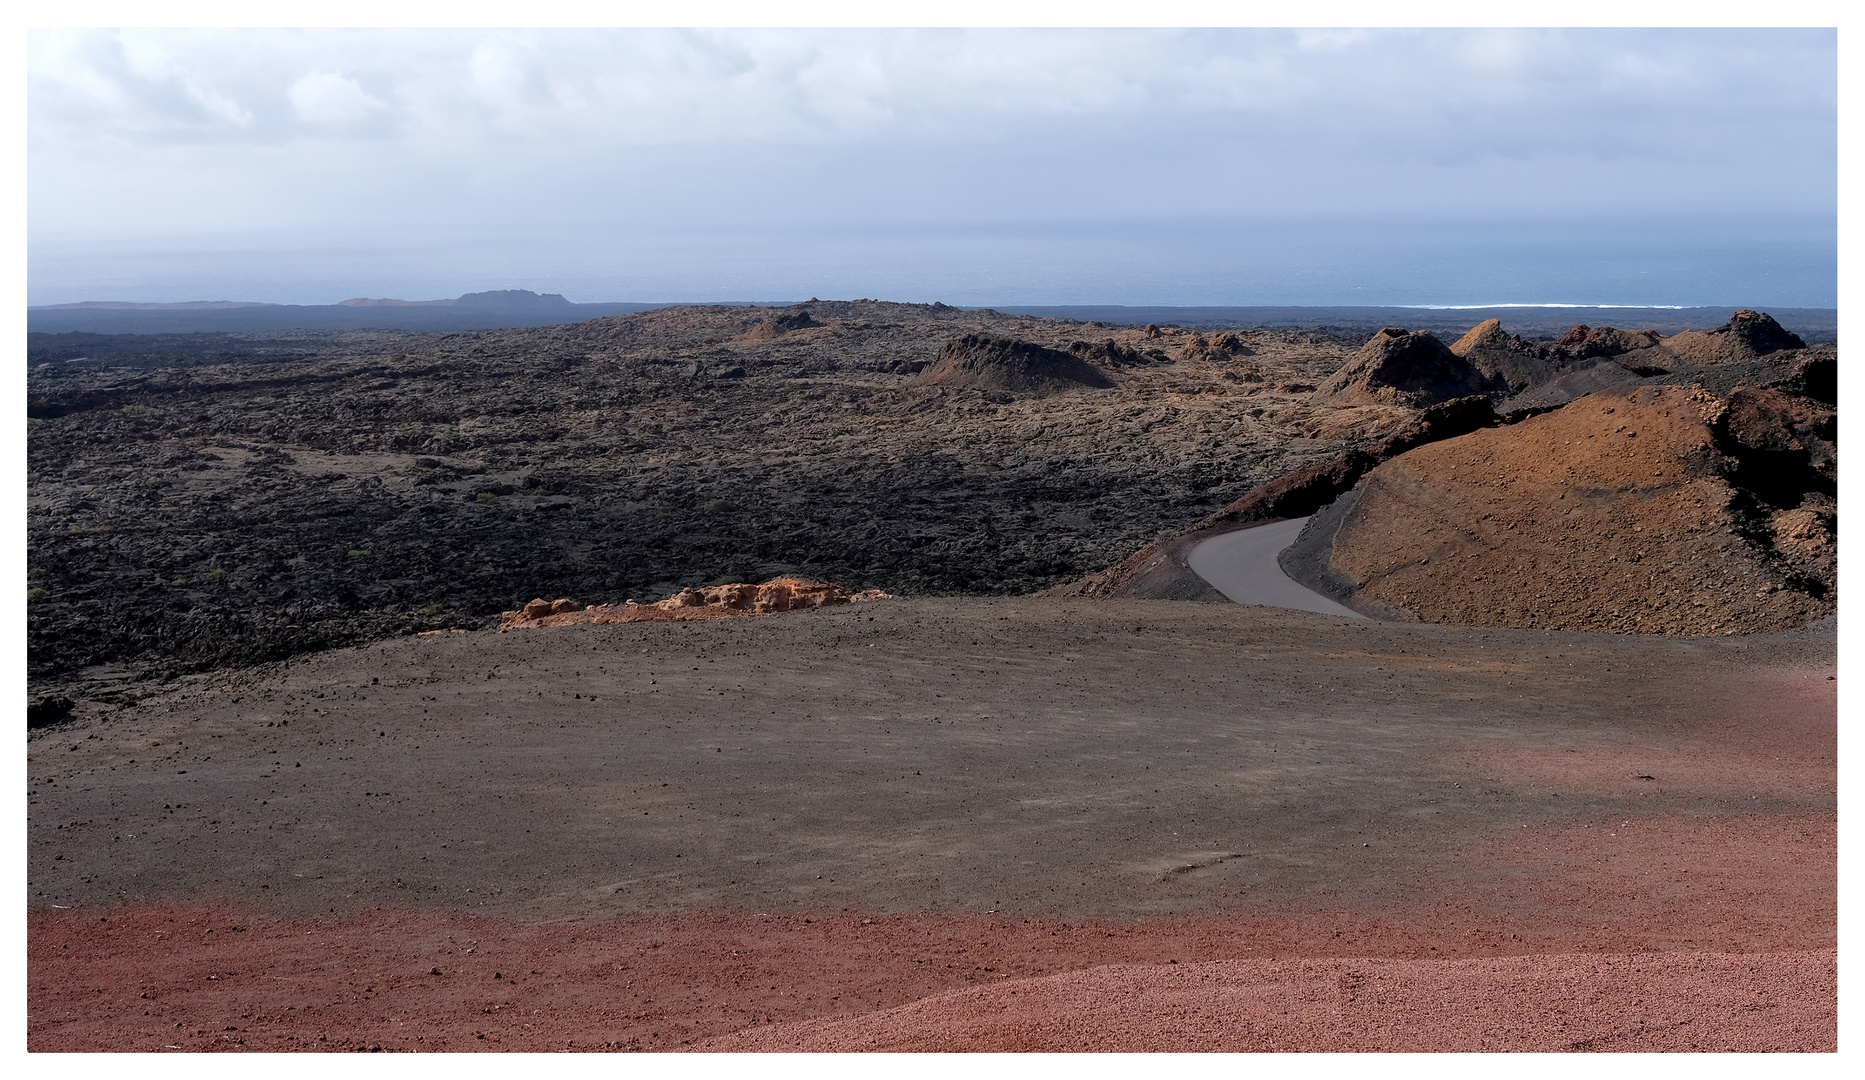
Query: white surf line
[[1602, 307], [1242, 565]]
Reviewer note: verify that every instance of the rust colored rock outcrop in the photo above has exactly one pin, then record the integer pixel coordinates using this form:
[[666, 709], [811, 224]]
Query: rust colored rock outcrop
[[710, 602], [1639, 509]]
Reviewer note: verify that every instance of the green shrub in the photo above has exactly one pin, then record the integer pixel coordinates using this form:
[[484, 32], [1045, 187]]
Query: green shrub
[[36, 594], [359, 553], [486, 498]]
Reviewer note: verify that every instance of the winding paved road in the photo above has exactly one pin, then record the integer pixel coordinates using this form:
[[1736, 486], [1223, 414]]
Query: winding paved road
[[1242, 565]]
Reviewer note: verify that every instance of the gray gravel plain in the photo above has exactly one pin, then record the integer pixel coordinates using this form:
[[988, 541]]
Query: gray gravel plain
[[1069, 757]]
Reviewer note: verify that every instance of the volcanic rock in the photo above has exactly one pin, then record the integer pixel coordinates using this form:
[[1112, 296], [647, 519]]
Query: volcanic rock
[[781, 324], [1518, 363], [1219, 347], [990, 362], [48, 710], [1638, 509], [1111, 352], [1584, 342], [1746, 336], [1815, 374], [1398, 367], [1782, 447], [711, 602]]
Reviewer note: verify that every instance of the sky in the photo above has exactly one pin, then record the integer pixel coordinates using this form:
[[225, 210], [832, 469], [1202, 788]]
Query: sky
[[972, 167]]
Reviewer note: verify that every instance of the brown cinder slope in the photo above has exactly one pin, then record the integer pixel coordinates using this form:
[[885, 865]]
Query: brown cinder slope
[[1650, 509]]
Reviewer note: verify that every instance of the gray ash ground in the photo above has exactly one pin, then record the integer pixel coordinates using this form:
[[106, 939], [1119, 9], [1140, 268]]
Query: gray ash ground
[[199, 501]]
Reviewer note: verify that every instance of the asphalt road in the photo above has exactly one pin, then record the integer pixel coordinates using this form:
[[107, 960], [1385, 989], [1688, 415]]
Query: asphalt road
[[1242, 565]]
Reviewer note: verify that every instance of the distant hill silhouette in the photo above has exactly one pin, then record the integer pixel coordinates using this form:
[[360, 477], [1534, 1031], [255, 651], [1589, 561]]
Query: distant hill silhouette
[[496, 309]]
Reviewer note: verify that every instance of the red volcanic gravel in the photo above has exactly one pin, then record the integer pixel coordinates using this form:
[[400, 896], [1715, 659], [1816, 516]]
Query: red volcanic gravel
[[1725, 964], [1665, 1001]]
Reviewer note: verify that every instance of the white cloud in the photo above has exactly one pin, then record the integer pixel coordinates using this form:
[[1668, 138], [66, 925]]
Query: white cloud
[[146, 129], [621, 87], [324, 97]]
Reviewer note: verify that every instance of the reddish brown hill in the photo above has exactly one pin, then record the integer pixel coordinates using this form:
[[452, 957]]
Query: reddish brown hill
[[1651, 509]]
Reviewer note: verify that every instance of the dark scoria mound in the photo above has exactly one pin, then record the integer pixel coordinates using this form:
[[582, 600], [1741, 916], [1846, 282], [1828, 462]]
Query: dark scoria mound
[[1398, 367], [1587, 342], [989, 362], [1646, 509], [1516, 363]]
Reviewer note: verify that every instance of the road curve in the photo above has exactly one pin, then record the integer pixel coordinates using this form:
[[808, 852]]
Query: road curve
[[1242, 565]]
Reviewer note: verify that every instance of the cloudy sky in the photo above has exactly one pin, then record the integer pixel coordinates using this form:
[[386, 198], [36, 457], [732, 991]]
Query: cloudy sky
[[974, 167]]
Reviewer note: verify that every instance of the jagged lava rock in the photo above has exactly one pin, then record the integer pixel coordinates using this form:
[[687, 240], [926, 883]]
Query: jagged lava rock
[[1399, 367], [990, 362], [1112, 352], [1646, 509]]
